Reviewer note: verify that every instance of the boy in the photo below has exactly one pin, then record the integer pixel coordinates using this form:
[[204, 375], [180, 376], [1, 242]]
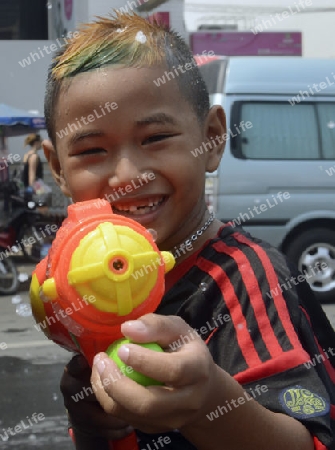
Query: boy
[[233, 370]]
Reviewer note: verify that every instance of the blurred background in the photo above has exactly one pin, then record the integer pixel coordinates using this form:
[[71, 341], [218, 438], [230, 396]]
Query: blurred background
[[30, 30]]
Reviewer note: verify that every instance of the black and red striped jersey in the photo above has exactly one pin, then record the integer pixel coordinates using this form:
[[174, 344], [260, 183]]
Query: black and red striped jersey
[[262, 325]]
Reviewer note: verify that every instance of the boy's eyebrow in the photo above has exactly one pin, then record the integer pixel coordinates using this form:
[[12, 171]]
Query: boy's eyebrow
[[80, 135], [159, 118]]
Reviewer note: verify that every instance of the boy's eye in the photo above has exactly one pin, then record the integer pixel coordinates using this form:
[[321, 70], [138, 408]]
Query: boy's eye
[[90, 151], [156, 138]]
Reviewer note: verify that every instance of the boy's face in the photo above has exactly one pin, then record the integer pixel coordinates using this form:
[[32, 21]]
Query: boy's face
[[139, 155]]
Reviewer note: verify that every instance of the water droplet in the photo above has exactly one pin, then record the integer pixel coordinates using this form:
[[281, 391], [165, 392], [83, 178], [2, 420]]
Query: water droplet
[[23, 277], [16, 299], [141, 37], [26, 370], [23, 310], [54, 396], [240, 326], [32, 437], [49, 5], [153, 233], [203, 287]]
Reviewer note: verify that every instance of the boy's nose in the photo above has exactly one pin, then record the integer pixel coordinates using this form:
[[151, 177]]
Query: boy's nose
[[125, 172]]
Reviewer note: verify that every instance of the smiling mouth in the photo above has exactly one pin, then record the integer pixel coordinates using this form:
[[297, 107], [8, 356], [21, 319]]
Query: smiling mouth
[[139, 207]]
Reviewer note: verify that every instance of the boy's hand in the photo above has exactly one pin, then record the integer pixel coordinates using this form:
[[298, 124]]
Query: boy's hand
[[85, 414], [188, 374]]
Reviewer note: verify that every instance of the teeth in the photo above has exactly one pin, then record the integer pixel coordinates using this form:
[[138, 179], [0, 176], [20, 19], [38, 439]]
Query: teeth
[[140, 209], [143, 211]]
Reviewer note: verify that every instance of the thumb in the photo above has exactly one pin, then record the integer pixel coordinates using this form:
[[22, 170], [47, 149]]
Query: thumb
[[156, 328]]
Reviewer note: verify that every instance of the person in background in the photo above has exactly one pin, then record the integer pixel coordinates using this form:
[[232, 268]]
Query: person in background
[[32, 164]]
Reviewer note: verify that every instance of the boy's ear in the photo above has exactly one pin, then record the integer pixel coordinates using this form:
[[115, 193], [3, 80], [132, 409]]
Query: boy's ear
[[215, 129], [55, 167]]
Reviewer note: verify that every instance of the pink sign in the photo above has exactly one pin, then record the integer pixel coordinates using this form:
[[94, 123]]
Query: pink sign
[[68, 8], [163, 18], [240, 43]]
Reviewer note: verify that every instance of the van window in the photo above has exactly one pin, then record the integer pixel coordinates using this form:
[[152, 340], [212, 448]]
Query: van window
[[282, 131], [326, 112]]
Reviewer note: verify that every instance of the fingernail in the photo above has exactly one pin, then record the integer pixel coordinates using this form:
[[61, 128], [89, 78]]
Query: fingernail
[[123, 353], [99, 364], [136, 325]]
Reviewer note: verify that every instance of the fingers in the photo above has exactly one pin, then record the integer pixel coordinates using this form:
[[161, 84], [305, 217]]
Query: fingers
[[186, 372], [85, 413], [172, 333], [142, 406], [165, 330], [122, 390], [100, 383], [171, 369]]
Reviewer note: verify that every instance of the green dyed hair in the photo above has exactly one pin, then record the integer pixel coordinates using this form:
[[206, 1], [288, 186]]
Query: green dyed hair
[[129, 40]]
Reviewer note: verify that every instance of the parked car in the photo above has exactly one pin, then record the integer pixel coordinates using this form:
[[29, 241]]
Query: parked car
[[277, 176]]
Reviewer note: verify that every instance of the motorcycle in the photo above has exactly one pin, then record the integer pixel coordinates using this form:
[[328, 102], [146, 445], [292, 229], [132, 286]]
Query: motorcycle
[[9, 278], [29, 230]]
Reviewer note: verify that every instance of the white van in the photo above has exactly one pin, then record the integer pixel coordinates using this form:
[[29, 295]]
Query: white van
[[277, 176]]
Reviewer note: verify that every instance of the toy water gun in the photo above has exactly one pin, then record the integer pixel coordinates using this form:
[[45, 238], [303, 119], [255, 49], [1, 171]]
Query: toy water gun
[[92, 280]]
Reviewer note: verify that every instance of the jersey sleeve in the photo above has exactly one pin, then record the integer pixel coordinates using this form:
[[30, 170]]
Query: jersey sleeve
[[269, 345]]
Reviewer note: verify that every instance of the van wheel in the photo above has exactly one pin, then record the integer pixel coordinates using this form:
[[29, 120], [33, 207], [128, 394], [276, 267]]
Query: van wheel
[[314, 254]]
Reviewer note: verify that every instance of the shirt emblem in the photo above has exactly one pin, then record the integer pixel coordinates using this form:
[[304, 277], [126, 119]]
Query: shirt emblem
[[302, 403]]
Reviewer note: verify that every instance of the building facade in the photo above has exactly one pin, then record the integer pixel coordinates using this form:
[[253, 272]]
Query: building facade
[[312, 19]]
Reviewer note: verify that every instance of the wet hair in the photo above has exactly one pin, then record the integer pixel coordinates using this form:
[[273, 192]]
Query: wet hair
[[131, 41], [31, 139]]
